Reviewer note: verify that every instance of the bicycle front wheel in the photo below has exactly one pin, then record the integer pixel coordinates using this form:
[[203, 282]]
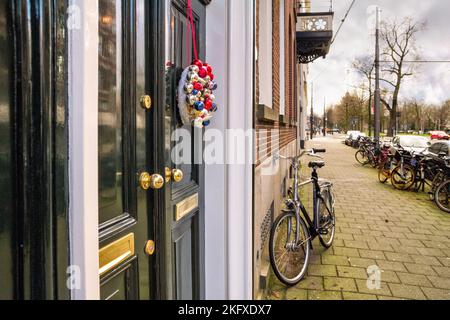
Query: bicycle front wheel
[[442, 196], [403, 179], [361, 157], [289, 258]]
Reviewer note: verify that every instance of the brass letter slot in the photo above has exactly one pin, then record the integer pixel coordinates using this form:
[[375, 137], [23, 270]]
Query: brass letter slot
[[186, 206], [115, 253]]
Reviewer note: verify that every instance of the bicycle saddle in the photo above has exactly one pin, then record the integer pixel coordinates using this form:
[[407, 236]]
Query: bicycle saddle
[[317, 164]]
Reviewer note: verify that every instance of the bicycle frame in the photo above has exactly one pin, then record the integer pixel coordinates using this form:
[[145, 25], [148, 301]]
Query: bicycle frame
[[300, 208]]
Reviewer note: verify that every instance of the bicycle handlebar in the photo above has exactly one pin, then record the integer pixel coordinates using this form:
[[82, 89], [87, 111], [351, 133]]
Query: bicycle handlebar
[[311, 152]]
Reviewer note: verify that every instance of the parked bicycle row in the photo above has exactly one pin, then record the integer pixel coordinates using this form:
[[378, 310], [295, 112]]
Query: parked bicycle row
[[409, 163]]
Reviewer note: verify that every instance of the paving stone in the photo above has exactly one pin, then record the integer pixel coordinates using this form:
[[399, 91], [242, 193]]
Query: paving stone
[[445, 261], [414, 279], [372, 254], [349, 252], [419, 269], [391, 265], [355, 244], [443, 271], [426, 260], [310, 282], [431, 252], [440, 282], [352, 272], [436, 294], [335, 284], [358, 296], [296, 294], [324, 295], [406, 291], [398, 257], [389, 276], [335, 260], [361, 262], [322, 270], [383, 290]]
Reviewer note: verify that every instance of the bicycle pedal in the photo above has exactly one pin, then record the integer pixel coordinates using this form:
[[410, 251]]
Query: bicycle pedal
[[323, 232]]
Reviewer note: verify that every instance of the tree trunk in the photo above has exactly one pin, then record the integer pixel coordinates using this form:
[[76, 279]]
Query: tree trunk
[[370, 113], [393, 114]]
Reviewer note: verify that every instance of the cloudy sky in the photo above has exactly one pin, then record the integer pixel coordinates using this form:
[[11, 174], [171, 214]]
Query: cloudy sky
[[333, 76]]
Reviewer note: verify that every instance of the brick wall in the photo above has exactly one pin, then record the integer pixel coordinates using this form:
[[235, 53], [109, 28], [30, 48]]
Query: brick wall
[[286, 132]]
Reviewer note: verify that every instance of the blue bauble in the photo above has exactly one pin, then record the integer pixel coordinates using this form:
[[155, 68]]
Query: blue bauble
[[194, 92], [206, 123], [214, 107], [199, 106]]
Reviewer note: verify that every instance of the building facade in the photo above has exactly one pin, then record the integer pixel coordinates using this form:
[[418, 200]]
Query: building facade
[[280, 118], [92, 203], [98, 202]]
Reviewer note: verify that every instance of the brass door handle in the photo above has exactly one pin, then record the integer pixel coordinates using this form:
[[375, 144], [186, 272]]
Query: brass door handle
[[148, 181], [175, 174]]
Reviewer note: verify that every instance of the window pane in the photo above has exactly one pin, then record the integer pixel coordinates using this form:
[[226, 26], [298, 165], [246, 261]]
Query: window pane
[[110, 110]]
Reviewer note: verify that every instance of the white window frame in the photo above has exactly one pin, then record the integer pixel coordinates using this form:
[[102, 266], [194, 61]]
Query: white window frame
[[265, 53]]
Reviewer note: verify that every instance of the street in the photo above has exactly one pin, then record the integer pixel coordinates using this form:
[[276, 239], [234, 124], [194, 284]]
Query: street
[[402, 233]]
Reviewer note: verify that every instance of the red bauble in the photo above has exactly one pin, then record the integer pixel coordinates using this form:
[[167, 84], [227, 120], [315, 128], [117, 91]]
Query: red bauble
[[208, 104], [198, 63], [198, 86], [203, 73], [211, 76]]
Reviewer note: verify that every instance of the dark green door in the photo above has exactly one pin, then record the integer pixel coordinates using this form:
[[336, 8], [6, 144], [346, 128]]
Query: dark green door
[[125, 151], [7, 273], [184, 217]]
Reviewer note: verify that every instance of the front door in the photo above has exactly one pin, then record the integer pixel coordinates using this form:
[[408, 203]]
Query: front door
[[184, 215], [151, 222], [128, 182], [7, 268]]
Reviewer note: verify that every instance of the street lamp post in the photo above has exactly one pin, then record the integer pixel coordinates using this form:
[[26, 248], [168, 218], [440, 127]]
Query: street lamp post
[[312, 111], [377, 81]]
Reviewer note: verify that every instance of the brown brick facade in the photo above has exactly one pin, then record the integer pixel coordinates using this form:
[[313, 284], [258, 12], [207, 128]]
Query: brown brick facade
[[284, 132], [270, 186]]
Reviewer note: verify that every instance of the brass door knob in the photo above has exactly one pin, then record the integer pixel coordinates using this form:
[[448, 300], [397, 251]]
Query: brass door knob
[[177, 175], [146, 102], [150, 247], [148, 181]]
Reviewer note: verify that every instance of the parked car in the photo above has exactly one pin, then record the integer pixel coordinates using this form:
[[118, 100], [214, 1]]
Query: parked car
[[440, 148], [416, 144], [439, 135], [351, 137]]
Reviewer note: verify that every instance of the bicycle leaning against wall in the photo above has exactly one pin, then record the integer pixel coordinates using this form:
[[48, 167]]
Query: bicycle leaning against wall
[[291, 236]]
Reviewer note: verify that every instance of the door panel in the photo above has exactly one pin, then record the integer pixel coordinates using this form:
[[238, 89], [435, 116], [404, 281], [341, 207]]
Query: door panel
[[184, 217], [111, 163], [7, 273], [124, 149]]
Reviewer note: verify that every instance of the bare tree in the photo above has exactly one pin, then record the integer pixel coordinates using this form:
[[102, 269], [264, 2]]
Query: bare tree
[[365, 66], [399, 40]]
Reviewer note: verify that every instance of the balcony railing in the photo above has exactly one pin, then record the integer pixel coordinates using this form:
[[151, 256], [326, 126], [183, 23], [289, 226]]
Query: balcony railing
[[314, 33]]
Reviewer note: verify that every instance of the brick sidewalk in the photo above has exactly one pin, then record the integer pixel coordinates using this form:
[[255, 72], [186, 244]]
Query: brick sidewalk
[[402, 233]]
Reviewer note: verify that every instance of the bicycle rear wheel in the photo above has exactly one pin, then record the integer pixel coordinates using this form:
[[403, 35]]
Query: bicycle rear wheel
[[442, 196], [327, 223], [289, 259]]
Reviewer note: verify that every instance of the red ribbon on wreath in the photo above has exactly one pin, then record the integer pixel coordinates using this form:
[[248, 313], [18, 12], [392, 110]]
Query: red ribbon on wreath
[[191, 25]]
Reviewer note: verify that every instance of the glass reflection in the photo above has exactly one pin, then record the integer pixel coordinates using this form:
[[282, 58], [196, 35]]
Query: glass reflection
[[110, 110]]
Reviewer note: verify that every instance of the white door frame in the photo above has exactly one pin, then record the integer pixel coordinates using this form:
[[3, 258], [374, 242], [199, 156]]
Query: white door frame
[[83, 149]]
